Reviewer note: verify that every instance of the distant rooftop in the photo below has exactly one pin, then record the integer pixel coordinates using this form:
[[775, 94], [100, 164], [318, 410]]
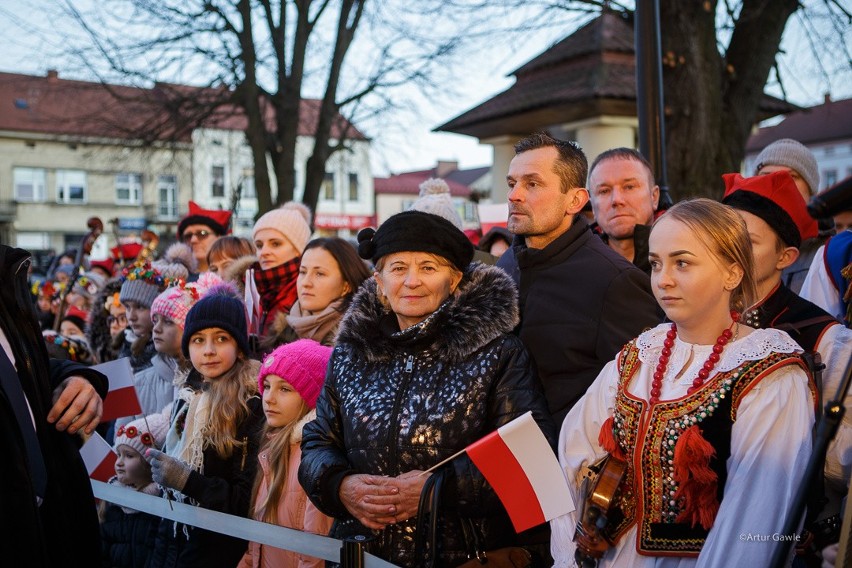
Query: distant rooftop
[[829, 121], [590, 73], [80, 109]]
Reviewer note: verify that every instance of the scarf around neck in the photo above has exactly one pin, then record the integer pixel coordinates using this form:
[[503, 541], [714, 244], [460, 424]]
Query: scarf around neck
[[315, 326], [277, 286]]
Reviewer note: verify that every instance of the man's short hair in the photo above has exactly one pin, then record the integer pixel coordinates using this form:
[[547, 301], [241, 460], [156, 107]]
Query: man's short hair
[[624, 154], [571, 165]]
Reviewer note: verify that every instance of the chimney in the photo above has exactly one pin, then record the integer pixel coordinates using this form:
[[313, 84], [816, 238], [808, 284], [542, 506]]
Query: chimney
[[52, 76], [445, 167], [827, 98]]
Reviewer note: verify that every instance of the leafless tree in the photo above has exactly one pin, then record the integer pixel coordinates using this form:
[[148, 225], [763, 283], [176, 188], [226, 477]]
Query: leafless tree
[[258, 59]]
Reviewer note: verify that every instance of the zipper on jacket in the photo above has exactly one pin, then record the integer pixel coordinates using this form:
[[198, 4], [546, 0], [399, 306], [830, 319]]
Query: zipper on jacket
[[397, 403], [245, 453], [409, 364]]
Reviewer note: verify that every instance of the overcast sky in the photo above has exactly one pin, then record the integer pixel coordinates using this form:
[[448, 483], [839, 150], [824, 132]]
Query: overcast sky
[[479, 76]]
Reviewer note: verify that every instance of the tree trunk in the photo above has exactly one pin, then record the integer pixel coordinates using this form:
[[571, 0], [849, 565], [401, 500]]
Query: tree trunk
[[712, 101]]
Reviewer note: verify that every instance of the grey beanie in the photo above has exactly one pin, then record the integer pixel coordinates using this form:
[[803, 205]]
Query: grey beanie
[[435, 198], [89, 284], [794, 155], [142, 284]]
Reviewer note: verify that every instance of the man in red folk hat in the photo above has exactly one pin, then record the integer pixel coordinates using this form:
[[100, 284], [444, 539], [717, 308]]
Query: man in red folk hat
[[200, 228], [777, 219]]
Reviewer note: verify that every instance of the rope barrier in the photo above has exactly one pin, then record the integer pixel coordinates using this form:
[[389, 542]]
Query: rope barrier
[[285, 538]]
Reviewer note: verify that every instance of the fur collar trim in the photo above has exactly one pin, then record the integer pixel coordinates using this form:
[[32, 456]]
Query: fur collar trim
[[236, 272], [484, 307]]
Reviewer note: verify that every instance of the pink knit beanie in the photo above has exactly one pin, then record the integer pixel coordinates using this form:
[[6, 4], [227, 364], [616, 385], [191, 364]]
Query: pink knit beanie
[[174, 303], [293, 220], [302, 364]]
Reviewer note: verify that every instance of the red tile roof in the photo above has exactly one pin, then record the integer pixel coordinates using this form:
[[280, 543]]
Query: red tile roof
[[591, 72], [80, 109], [829, 121], [408, 183]]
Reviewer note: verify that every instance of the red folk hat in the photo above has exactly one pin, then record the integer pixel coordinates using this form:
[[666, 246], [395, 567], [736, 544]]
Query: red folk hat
[[217, 219], [129, 251], [775, 199]]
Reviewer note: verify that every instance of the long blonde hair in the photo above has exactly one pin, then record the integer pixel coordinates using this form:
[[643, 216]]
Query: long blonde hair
[[229, 395], [724, 232], [277, 444]]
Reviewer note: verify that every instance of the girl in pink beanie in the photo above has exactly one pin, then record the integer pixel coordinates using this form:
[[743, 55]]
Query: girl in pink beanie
[[290, 380]]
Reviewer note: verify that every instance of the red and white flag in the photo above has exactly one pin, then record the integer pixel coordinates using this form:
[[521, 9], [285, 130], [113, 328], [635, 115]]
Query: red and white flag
[[121, 400], [99, 458], [520, 465]]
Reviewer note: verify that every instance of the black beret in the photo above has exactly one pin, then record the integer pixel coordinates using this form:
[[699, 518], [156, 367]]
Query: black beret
[[415, 231]]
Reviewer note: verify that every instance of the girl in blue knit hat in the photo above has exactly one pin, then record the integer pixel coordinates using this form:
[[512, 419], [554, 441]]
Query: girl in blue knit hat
[[210, 456], [290, 381]]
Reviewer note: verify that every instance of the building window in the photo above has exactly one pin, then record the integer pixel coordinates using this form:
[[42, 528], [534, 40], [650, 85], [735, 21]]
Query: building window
[[217, 181], [29, 184], [249, 191], [327, 187], [829, 150], [71, 186], [353, 187], [128, 189], [830, 177], [167, 192]]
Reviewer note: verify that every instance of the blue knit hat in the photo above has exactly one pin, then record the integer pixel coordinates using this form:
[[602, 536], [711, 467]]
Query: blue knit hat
[[221, 308]]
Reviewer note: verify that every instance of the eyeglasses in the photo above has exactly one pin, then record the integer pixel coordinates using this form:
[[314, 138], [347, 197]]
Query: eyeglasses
[[122, 320], [202, 234]]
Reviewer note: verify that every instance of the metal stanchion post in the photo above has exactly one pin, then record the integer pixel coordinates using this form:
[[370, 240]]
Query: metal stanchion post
[[352, 552]]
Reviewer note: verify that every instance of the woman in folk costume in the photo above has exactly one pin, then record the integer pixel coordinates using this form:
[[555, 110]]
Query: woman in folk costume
[[279, 236], [711, 417]]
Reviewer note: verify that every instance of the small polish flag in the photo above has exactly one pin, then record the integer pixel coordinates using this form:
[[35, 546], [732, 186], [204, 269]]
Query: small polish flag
[[99, 458], [520, 465], [492, 215], [121, 399]]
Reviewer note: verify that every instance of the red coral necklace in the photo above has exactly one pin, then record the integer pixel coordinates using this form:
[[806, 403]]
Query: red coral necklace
[[703, 374]]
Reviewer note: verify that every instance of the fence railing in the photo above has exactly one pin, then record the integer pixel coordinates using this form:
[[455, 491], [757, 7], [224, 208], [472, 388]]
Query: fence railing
[[349, 553]]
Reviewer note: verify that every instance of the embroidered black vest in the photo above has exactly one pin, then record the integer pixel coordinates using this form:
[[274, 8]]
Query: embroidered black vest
[[784, 310], [647, 493]]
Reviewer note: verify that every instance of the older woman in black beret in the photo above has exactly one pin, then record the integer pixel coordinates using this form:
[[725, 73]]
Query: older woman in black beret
[[425, 364]]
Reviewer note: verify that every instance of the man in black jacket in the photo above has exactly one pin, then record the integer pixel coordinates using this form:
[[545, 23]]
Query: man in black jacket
[[580, 301], [47, 511]]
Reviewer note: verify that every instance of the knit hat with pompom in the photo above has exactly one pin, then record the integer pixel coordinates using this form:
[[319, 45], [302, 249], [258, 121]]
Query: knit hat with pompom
[[293, 220], [175, 302], [142, 283], [435, 199]]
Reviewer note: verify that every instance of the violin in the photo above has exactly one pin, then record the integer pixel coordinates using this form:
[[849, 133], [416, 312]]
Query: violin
[[96, 227], [591, 535]]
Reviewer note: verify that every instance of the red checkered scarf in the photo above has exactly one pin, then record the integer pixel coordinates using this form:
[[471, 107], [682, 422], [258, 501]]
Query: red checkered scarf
[[277, 286]]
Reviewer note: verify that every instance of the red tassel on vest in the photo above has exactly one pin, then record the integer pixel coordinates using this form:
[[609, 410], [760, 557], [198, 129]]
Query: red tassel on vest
[[697, 482], [606, 439]]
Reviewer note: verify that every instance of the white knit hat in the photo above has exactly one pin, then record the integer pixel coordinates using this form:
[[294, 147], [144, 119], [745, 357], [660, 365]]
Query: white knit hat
[[137, 435], [435, 199], [794, 155], [293, 220]]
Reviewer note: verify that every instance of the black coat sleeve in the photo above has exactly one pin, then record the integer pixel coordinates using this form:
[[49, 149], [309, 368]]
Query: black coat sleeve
[[227, 483], [324, 463], [516, 390], [61, 370]]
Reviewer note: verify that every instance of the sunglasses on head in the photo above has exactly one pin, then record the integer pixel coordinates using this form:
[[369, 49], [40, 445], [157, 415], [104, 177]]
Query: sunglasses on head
[[202, 234]]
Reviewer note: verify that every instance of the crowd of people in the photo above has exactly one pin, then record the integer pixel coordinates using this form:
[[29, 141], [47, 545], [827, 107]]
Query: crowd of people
[[317, 383]]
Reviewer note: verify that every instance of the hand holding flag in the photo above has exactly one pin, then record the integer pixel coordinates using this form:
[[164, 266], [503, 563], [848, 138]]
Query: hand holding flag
[[518, 462]]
